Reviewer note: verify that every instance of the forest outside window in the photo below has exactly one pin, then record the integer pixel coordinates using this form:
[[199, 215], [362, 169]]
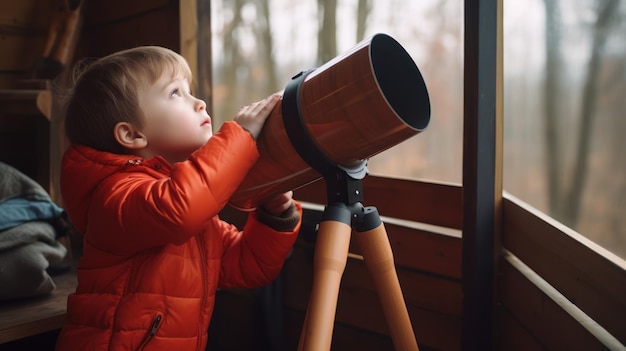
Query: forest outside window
[[564, 88]]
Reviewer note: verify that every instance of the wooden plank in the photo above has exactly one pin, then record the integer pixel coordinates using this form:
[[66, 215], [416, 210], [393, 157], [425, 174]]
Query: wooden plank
[[588, 275], [420, 290], [428, 202], [23, 29], [58, 145], [7, 79], [189, 37], [24, 144], [23, 318], [153, 28], [19, 102], [543, 315], [99, 12], [426, 248], [19, 54], [204, 48], [431, 328], [158, 27], [513, 336], [27, 15]]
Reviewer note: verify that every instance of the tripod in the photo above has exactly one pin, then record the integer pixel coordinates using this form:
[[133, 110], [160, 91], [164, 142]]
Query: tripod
[[331, 252], [344, 212]]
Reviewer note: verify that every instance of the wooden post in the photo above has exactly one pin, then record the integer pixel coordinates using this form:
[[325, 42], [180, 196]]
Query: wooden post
[[482, 169]]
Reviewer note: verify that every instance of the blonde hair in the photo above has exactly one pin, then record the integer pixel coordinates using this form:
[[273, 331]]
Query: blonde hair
[[106, 91]]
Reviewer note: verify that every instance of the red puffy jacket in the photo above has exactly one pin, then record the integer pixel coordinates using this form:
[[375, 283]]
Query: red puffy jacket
[[154, 249]]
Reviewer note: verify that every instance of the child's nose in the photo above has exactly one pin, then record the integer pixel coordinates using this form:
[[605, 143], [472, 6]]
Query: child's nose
[[200, 105]]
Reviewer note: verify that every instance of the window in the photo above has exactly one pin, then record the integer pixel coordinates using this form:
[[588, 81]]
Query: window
[[564, 88]]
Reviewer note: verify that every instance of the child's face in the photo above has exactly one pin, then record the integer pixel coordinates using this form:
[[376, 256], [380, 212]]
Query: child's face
[[175, 122]]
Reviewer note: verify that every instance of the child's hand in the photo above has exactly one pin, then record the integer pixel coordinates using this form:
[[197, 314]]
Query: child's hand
[[252, 117], [278, 204]]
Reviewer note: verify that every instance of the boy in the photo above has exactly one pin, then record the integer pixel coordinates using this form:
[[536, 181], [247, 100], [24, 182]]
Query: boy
[[144, 181]]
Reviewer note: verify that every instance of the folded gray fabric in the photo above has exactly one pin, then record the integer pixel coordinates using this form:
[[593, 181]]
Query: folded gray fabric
[[25, 253], [28, 232], [14, 183]]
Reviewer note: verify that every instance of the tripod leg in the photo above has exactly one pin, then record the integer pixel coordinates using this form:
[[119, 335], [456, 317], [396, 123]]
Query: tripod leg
[[331, 255], [378, 257]]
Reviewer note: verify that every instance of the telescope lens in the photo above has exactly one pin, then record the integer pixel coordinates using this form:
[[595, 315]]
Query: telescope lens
[[400, 81]]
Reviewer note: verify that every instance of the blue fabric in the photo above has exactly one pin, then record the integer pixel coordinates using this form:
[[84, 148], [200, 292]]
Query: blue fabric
[[18, 210]]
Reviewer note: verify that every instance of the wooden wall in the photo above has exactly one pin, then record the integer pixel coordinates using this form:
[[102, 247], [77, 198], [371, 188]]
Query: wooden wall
[[23, 28], [112, 25], [555, 290], [107, 26], [24, 137]]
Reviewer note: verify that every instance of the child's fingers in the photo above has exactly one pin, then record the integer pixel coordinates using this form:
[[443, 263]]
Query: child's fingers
[[267, 103], [261, 108], [253, 116]]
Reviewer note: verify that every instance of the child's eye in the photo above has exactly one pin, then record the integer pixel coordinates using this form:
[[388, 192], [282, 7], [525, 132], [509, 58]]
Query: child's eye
[[175, 92]]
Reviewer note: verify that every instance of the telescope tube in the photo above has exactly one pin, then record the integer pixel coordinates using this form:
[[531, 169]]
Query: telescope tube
[[353, 107]]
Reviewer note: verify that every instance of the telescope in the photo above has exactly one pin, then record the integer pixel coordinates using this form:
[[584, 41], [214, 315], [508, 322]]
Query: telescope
[[351, 108]]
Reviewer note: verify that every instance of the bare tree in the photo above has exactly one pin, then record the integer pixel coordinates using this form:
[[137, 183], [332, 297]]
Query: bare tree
[[327, 33], [264, 29], [205, 79], [601, 30], [231, 59], [551, 99], [565, 201], [362, 13]]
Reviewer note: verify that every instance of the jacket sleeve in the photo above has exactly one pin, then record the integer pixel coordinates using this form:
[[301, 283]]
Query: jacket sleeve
[[150, 212], [255, 256]]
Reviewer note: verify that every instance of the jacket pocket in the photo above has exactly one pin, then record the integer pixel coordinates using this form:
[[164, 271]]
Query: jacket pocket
[[150, 333]]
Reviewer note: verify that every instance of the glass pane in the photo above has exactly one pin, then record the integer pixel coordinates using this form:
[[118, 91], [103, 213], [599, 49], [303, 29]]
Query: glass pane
[[259, 45], [564, 89]]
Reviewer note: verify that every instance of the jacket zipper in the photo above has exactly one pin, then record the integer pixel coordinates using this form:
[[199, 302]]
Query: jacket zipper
[[151, 332], [203, 263]]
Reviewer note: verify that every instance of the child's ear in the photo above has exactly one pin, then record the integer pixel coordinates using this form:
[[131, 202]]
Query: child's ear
[[129, 137]]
